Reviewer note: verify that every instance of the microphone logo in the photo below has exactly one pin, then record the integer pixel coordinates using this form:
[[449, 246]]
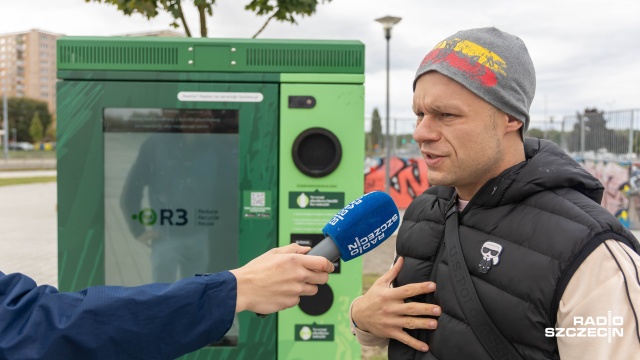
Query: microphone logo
[[361, 245], [340, 216]]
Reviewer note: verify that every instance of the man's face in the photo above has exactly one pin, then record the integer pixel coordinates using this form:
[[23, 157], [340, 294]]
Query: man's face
[[461, 136]]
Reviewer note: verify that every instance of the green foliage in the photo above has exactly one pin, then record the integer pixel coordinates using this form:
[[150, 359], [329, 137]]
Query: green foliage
[[284, 10], [21, 112], [151, 9], [596, 134], [535, 133], [636, 142], [50, 134], [29, 180], [553, 135], [281, 10], [376, 128], [35, 129], [374, 139]]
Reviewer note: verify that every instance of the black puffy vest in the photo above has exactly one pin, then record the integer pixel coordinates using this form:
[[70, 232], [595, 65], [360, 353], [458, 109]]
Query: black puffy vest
[[545, 214]]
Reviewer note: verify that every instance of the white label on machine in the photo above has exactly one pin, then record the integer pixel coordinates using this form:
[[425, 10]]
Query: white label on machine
[[220, 96]]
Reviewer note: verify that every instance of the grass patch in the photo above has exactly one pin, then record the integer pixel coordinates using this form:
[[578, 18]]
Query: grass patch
[[379, 357], [27, 180], [32, 154], [368, 280]]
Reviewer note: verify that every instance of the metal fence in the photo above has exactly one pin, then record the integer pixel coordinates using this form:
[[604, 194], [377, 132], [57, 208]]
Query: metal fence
[[594, 135], [401, 138]]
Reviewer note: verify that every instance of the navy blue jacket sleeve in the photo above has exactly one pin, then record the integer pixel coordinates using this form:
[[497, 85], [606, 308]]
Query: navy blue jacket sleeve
[[155, 321]]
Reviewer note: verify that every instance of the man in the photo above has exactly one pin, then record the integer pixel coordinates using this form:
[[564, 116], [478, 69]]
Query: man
[[510, 244], [154, 321]]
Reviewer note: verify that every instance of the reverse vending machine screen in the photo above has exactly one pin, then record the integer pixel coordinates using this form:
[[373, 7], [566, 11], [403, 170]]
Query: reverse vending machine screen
[[171, 203]]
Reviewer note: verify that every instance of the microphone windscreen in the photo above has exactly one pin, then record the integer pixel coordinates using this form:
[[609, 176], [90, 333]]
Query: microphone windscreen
[[363, 224]]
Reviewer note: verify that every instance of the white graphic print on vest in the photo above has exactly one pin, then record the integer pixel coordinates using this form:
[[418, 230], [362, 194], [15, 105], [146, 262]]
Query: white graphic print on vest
[[490, 252]]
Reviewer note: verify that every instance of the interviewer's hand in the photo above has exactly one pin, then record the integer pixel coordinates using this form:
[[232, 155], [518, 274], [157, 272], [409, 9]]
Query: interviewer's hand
[[276, 279], [383, 312]]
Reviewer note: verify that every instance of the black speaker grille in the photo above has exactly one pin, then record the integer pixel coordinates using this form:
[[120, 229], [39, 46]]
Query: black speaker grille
[[117, 55], [317, 152], [305, 58]]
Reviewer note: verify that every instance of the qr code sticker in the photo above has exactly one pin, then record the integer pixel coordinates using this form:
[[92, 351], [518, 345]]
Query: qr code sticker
[[257, 199]]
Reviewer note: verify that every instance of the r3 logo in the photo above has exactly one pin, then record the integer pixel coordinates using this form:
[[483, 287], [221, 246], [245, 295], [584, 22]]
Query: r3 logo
[[148, 216]]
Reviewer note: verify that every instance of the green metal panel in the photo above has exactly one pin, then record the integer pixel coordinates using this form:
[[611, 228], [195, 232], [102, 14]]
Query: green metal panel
[[340, 109], [322, 78], [81, 176], [169, 76], [80, 186], [210, 55], [212, 77], [123, 72]]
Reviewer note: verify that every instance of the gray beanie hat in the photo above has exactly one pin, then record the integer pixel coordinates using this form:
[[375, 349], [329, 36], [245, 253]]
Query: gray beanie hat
[[492, 64]]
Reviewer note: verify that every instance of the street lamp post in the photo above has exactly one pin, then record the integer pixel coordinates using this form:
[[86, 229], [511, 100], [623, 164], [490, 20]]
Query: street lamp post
[[387, 23]]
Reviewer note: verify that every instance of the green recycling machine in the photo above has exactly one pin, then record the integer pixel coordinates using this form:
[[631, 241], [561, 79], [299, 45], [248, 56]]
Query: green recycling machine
[[179, 156]]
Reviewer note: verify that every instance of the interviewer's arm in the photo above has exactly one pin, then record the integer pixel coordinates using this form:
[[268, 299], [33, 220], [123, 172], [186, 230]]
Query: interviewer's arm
[[275, 280], [155, 321]]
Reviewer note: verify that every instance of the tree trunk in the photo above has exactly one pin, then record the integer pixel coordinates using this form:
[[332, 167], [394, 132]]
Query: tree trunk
[[203, 21], [263, 26], [183, 20]]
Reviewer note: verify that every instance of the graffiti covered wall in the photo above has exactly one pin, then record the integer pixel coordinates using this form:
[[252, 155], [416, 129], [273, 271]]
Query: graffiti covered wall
[[408, 178], [621, 182]]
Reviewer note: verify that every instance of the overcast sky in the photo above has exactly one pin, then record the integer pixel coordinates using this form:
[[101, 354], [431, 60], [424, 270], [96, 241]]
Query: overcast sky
[[586, 52]]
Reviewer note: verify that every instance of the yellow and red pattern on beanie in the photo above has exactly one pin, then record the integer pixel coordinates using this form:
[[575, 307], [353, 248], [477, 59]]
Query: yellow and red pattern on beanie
[[479, 63]]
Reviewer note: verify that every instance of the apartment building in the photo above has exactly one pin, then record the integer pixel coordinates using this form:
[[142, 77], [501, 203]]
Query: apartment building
[[28, 65]]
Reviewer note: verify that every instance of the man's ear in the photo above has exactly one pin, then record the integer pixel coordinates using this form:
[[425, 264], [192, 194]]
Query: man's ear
[[513, 124]]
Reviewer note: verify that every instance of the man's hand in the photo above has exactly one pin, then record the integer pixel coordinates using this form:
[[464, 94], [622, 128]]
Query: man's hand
[[276, 279], [383, 312]]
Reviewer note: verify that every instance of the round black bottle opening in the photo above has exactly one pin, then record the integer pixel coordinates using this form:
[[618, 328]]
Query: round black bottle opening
[[317, 152]]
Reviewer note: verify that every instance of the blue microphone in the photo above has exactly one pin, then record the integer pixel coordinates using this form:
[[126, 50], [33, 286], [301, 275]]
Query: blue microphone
[[359, 227]]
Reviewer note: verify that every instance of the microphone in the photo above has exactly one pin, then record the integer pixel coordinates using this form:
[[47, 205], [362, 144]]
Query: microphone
[[359, 227]]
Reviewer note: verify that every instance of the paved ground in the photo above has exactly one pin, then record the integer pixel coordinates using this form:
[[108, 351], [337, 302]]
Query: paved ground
[[28, 231], [27, 173]]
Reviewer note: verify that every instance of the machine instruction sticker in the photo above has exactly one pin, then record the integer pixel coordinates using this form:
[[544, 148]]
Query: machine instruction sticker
[[314, 332], [316, 200], [256, 204], [209, 96]]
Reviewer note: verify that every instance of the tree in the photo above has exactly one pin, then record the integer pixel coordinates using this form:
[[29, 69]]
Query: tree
[[50, 134], [376, 138], [21, 112], [535, 133], [35, 129], [552, 135], [376, 127], [280, 10], [597, 137]]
